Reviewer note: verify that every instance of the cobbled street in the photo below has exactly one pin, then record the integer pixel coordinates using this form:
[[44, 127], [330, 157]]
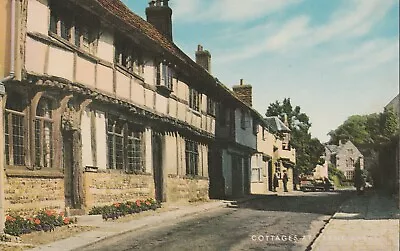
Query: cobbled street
[[285, 222]]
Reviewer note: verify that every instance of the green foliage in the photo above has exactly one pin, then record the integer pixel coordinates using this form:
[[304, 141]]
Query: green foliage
[[336, 174], [44, 221], [308, 150], [117, 210]]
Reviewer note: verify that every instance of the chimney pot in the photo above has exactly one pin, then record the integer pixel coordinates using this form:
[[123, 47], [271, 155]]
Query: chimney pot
[[199, 48], [159, 14], [241, 81]]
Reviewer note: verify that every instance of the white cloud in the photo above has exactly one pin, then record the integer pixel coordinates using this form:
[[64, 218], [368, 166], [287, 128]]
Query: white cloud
[[226, 10]]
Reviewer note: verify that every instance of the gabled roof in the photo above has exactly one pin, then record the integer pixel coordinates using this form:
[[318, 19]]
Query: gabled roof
[[118, 10], [332, 148], [276, 124]]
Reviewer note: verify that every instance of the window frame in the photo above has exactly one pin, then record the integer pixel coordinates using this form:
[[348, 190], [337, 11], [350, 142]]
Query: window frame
[[44, 123], [192, 157], [242, 119], [194, 99], [10, 147], [211, 107], [128, 55], [69, 26]]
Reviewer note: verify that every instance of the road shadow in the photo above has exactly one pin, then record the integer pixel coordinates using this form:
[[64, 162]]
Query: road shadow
[[372, 205]]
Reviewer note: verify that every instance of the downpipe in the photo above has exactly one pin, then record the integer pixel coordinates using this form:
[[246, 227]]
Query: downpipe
[[2, 94]]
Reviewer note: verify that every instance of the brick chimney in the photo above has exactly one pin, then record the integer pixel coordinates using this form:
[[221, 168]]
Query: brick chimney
[[203, 58], [244, 92], [159, 15]]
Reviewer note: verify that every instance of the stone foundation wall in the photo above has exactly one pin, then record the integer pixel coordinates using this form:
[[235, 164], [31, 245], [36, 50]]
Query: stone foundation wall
[[28, 195], [105, 188], [184, 189]]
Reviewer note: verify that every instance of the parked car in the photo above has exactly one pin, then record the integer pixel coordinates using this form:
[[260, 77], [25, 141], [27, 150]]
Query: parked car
[[307, 185], [316, 185], [320, 184]]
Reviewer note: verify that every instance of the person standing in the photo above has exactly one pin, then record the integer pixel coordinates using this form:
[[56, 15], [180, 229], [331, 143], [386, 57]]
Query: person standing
[[275, 182], [285, 180]]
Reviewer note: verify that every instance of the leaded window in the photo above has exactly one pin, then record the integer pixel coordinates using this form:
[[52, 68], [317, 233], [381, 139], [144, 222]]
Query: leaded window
[[192, 157], [14, 123], [44, 133]]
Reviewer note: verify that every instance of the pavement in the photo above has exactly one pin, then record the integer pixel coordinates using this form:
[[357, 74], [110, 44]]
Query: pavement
[[108, 229], [365, 222]]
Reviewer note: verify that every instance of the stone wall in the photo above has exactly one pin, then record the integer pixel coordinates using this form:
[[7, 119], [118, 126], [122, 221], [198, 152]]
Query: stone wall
[[105, 188], [185, 189], [28, 195]]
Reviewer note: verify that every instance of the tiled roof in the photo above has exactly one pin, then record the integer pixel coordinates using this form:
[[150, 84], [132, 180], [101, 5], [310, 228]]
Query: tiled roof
[[276, 124], [120, 11]]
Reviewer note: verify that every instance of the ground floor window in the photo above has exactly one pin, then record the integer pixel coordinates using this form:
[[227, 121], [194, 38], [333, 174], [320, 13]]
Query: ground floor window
[[14, 138], [125, 146], [349, 175], [192, 157]]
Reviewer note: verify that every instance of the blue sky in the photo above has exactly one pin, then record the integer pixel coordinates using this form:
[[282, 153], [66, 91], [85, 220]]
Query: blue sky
[[333, 58]]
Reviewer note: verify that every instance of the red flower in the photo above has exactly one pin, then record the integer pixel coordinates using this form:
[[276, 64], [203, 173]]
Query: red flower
[[138, 203], [62, 214], [116, 204], [10, 218], [148, 203], [37, 221], [49, 212], [66, 221], [30, 219]]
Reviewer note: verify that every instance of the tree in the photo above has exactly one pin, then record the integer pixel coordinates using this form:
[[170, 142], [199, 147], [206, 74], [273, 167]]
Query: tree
[[308, 150]]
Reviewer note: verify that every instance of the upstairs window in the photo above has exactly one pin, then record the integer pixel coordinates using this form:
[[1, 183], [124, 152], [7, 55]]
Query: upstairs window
[[164, 76], [211, 107], [128, 55], [78, 29], [255, 127], [242, 119], [194, 99]]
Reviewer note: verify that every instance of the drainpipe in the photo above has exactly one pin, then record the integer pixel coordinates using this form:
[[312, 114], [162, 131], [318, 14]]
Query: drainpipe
[[2, 93]]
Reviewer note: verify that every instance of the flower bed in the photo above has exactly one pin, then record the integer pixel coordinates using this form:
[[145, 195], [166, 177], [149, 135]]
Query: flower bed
[[45, 220], [117, 209]]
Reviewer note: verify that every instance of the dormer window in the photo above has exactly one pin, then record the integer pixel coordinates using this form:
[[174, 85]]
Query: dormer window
[[128, 56], [165, 76], [68, 25], [194, 99]]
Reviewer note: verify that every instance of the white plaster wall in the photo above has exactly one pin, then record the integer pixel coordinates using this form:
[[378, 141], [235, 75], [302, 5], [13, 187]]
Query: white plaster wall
[[182, 90], [265, 145], [173, 108], [137, 93], [104, 78], [85, 72], [227, 171], [38, 16], [181, 111], [205, 160], [148, 151], [101, 140], [212, 129], [171, 154], [161, 104], [149, 98], [203, 105], [244, 136], [105, 46], [149, 72], [35, 56], [60, 63], [123, 88], [87, 159]]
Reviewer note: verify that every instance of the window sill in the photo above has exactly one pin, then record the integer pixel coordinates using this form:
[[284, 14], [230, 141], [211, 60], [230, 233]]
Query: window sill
[[13, 171], [197, 113], [128, 72], [163, 90]]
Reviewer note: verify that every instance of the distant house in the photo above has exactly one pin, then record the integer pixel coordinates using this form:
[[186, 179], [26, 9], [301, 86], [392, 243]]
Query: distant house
[[395, 105], [344, 157]]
